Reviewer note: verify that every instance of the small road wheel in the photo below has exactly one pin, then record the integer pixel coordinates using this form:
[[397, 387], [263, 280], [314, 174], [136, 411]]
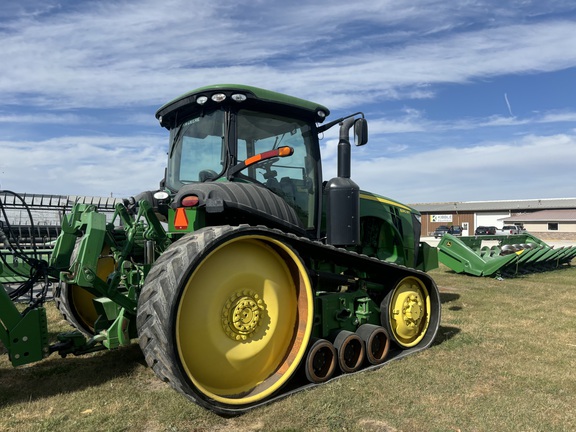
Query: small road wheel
[[405, 312]]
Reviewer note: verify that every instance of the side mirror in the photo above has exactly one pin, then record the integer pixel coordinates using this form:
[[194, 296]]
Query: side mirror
[[360, 132]]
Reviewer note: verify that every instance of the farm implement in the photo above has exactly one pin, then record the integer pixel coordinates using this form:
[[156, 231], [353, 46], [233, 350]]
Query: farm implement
[[246, 276], [502, 255]]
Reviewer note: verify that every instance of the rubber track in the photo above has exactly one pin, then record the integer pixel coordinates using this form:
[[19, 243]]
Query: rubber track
[[159, 295]]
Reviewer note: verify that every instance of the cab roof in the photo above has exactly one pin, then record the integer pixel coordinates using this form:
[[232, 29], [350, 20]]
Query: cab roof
[[256, 98]]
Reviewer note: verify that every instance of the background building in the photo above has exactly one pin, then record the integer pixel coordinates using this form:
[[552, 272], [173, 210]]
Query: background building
[[545, 218]]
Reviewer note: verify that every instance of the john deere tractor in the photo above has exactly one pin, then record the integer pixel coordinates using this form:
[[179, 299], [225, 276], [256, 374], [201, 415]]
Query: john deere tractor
[[245, 277]]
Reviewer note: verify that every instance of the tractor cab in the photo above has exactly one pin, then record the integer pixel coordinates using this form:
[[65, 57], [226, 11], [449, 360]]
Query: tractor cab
[[248, 155], [248, 136]]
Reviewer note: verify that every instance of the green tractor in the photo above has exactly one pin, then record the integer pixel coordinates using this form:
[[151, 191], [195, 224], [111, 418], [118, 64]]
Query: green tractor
[[245, 277]]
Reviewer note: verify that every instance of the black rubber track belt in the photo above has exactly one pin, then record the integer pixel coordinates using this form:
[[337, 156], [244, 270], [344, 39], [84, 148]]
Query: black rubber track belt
[[153, 305]]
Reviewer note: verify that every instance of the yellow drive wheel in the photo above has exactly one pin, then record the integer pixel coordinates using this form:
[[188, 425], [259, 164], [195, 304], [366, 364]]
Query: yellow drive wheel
[[244, 320], [406, 312], [225, 316], [82, 306], [75, 303]]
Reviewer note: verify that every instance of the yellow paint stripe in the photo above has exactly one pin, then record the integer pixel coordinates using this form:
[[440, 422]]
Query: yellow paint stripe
[[385, 201]]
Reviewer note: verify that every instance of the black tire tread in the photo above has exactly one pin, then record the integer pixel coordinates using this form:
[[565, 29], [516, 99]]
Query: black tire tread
[[156, 307]]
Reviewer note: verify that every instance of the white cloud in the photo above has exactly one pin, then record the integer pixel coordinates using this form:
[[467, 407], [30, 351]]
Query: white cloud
[[554, 117], [66, 63], [83, 165], [45, 118], [115, 54], [417, 122], [532, 167]]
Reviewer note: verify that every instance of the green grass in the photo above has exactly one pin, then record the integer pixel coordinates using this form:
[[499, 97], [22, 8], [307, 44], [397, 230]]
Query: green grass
[[504, 360]]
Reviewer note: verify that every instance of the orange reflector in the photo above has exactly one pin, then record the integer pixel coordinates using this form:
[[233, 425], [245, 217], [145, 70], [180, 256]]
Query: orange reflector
[[190, 201], [285, 151], [180, 219]]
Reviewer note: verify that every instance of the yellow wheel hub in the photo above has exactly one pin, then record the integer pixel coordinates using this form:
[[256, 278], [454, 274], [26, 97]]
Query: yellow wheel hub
[[244, 319], [409, 311], [412, 310], [242, 314]]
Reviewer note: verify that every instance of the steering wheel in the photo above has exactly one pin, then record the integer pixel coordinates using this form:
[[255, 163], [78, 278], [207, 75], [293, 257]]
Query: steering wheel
[[206, 175]]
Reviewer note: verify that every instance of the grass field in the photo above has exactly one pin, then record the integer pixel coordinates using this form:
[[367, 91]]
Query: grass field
[[504, 360]]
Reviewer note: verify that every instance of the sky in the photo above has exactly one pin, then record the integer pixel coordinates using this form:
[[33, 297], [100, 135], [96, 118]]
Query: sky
[[465, 100]]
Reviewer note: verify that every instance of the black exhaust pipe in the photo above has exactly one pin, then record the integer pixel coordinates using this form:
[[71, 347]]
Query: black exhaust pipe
[[342, 194]]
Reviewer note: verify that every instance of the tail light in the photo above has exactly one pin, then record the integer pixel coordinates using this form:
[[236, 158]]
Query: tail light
[[189, 201]]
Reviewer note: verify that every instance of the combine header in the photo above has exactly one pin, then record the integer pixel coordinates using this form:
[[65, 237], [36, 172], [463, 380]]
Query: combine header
[[504, 256], [34, 228]]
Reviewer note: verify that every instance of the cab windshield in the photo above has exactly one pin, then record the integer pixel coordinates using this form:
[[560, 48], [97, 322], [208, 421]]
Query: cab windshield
[[198, 152], [204, 147], [294, 177]]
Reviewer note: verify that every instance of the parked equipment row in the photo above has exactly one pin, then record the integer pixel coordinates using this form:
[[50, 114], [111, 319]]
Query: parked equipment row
[[512, 255]]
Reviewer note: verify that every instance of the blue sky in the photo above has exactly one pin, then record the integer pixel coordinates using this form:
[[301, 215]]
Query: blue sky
[[466, 100]]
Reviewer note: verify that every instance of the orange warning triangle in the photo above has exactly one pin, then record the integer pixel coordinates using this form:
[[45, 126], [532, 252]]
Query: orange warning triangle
[[180, 219]]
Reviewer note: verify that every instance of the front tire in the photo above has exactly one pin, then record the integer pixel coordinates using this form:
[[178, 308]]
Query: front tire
[[225, 317]]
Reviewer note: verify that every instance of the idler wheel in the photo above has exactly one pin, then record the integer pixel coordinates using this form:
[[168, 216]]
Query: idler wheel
[[376, 341], [320, 361], [405, 312], [350, 350]]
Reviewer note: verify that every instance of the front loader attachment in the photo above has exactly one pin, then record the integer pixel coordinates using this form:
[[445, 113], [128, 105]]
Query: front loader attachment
[[509, 255]]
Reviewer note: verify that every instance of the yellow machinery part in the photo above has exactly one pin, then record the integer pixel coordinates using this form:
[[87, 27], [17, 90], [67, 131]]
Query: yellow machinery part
[[244, 320], [409, 311], [81, 301]]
